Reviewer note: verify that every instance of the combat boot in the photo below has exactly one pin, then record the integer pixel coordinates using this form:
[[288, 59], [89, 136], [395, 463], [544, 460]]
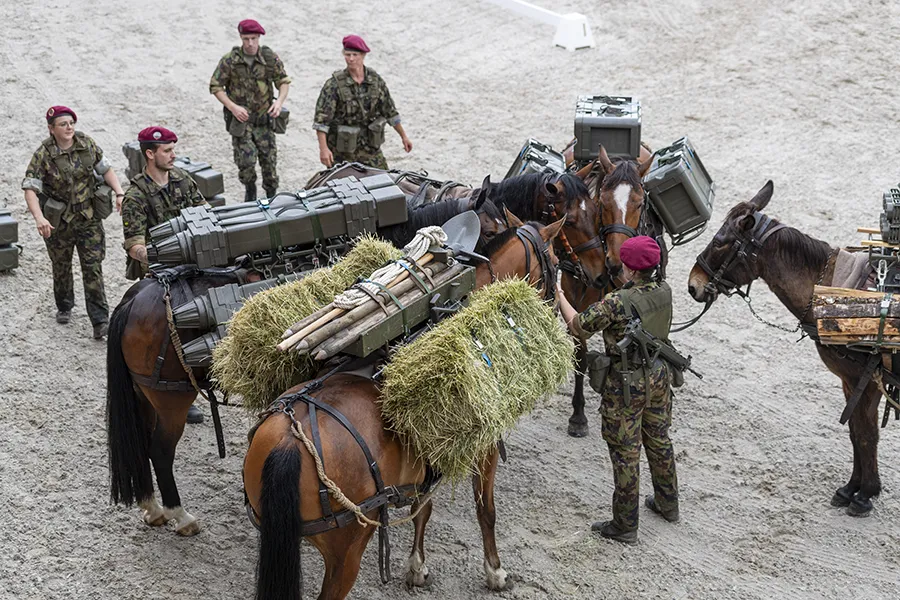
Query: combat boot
[[671, 516], [611, 531], [250, 194], [100, 330], [63, 316], [270, 192]]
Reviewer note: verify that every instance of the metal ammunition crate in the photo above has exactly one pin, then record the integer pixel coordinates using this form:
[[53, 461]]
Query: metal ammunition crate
[[614, 121], [536, 157], [9, 257], [217, 200], [209, 181], [9, 228], [680, 190], [132, 152]]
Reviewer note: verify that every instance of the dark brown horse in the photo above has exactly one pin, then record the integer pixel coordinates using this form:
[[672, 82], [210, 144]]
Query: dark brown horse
[[282, 485], [751, 246], [620, 213]]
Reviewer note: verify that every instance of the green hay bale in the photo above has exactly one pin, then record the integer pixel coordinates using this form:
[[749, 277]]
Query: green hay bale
[[246, 361], [444, 399]]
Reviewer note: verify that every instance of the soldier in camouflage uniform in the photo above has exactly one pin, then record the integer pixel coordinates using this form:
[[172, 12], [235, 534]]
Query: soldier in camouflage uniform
[[59, 186], [636, 407], [352, 110], [244, 82], [157, 194]]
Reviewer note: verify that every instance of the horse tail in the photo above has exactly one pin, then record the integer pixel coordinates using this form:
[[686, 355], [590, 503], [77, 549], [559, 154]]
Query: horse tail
[[278, 572], [127, 433]]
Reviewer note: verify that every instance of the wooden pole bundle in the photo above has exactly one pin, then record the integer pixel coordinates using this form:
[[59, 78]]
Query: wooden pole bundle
[[846, 316], [296, 334]]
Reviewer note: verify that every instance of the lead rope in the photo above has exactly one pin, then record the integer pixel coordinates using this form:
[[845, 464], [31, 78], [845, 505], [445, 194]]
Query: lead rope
[[343, 500]]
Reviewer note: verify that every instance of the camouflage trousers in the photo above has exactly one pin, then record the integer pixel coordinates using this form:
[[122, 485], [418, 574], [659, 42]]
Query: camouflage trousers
[[626, 425], [88, 237], [374, 159], [257, 143]]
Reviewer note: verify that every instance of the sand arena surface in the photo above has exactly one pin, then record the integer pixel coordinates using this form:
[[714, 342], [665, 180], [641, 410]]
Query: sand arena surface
[[802, 93]]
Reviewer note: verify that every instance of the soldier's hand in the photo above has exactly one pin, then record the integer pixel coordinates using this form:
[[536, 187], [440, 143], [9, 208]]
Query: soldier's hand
[[240, 113], [44, 227], [275, 109], [407, 145], [326, 157]]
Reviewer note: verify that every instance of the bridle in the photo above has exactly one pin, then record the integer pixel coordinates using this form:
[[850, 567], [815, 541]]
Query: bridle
[[528, 234], [744, 250]]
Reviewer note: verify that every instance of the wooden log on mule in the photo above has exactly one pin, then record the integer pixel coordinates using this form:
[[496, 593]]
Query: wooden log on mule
[[371, 332], [852, 327], [845, 316], [869, 230], [888, 342], [877, 244], [844, 303], [362, 311], [334, 313]]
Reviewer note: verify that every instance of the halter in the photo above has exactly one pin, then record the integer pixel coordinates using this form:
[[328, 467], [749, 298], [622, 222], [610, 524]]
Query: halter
[[745, 250]]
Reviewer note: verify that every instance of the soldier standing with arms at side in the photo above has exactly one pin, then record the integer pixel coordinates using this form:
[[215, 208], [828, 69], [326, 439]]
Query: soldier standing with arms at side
[[156, 194], [353, 108], [61, 192], [244, 83], [636, 406]]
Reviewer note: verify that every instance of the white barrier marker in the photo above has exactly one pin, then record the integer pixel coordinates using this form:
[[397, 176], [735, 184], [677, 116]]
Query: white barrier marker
[[572, 30]]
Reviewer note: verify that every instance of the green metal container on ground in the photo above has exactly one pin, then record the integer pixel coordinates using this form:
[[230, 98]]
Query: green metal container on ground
[[9, 228], [9, 257]]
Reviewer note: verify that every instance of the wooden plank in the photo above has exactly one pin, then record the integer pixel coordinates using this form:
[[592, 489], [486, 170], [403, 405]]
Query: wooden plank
[[887, 343], [824, 290], [843, 303], [877, 244], [871, 230], [856, 327]]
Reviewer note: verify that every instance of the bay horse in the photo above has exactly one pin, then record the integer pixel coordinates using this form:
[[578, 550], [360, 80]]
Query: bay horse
[[280, 477], [751, 246], [148, 390], [617, 191]]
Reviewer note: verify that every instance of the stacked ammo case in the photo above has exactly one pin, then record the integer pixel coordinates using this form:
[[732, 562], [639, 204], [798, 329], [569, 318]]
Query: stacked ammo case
[[890, 217], [341, 208], [536, 157], [613, 121], [9, 235], [209, 182]]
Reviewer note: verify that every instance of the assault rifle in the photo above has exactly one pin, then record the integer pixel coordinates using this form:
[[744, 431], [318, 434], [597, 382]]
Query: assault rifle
[[647, 342]]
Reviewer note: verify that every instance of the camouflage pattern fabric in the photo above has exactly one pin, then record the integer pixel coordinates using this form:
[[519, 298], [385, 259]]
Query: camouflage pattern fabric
[[147, 204], [625, 427], [257, 143], [67, 175], [253, 86], [376, 159], [368, 101], [643, 420], [88, 237]]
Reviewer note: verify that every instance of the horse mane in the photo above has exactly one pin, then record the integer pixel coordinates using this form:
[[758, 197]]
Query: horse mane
[[518, 193], [794, 247], [436, 213], [625, 172]]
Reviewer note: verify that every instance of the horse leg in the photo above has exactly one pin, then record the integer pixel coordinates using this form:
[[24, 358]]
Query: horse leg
[[169, 428], [578, 423], [416, 572], [844, 495], [342, 550], [866, 432], [483, 485]]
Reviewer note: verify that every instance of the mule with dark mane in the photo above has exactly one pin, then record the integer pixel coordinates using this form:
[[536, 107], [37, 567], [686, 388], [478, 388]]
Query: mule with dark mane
[[283, 488], [751, 246]]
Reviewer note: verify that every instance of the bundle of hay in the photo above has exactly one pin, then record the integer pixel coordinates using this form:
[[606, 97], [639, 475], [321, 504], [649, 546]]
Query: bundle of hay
[[452, 400], [246, 361]]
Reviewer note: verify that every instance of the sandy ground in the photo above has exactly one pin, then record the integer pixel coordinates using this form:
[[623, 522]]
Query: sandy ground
[[797, 92]]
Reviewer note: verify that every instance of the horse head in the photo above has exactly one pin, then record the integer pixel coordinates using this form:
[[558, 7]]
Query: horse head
[[728, 261], [620, 194]]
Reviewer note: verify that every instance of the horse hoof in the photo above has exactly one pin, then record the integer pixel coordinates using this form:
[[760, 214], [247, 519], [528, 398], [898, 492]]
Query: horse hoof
[[859, 507], [842, 497], [497, 579], [188, 529], [420, 579], [578, 430], [155, 520]]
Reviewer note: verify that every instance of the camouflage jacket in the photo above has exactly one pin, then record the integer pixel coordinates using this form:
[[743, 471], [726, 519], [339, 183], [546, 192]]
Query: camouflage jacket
[[252, 87], [148, 204], [67, 175], [609, 316], [342, 101]]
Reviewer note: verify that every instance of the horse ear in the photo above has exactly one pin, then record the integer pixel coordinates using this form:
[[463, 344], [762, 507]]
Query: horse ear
[[511, 219], [584, 171], [552, 189], [479, 199], [762, 197], [603, 159], [645, 166], [552, 230], [486, 184]]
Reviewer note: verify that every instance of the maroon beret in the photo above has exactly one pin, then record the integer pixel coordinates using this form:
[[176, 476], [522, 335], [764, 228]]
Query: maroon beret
[[55, 111], [250, 26], [157, 135], [640, 253], [355, 43]]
